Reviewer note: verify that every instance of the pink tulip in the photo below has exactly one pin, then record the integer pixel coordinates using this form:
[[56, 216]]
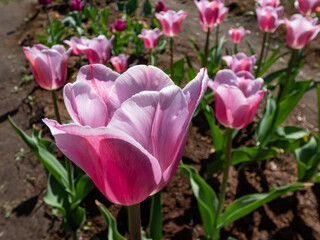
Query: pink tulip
[[269, 18], [211, 13], [237, 34], [301, 30], [271, 3], [150, 37], [120, 63], [171, 21], [161, 7], [49, 65], [74, 42], [236, 98], [129, 131], [97, 49], [77, 5], [307, 6], [240, 62], [120, 25]]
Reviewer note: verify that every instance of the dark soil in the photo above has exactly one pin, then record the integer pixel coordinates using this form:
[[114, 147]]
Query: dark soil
[[24, 215]]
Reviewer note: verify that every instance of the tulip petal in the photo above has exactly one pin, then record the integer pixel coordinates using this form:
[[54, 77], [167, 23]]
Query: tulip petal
[[136, 79], [112, 159], [84, 105], [157, 120], [99, 77]]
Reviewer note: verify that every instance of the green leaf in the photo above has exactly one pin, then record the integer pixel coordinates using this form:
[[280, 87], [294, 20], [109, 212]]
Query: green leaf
[[191, 73], [247, 204], [317, 178], [272, 59], [155, 222], [249, 154], [252, 51], [83, 187], [110, 221], [199, 52], [131, 7], [178, 71], [45, 157], [206, 198], [308, 160], [292, 132], [146, 9], [272, 76]]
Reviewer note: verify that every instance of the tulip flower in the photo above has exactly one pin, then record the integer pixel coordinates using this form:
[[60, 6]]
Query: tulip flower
[[269, 18], [97, 49], [237, 34], [237, 98], [161, 7], [171, 21], [210, 13], [120, 63], [240, 62], [301, 30], [77, 5], [120, 25], [129, 131], [271, 3], [150, 37], [307, 7], [74, 42], [49, 65]]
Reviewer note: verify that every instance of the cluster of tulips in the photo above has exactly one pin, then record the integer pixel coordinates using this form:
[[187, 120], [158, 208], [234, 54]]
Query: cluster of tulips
[[130, 126]]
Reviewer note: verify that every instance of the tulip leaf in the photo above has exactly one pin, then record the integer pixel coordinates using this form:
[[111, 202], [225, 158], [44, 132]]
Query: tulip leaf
[[292, 132], [247, 204], [45, 157], [155, 222], [178, 71], [308, 160], [146, 9], [317, 178], [272, 76], [274, 57], [249, 154], [199, 52], [110, 221], [83, 187], [191, 73], [206, 198]]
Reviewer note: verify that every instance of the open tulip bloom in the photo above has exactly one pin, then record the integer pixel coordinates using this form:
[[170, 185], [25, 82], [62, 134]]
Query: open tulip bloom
[[171, 21], [120, 63], [211, 13], [240, 62], [129, 131], [237, 34], [150, 37], [301, 30], [97, 49], [307, 7], [74, 42], [269, 18], [49, 65], [237, 97]]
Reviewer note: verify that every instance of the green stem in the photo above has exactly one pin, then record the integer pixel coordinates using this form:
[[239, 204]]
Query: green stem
[[318, 94], [171, 56], [155, 222], [153, 60], [217, 34], [235, 48], [268, 47], [261, 53], [134, 222], [55, 104], [66, 160], [227, 163], [206, 49]]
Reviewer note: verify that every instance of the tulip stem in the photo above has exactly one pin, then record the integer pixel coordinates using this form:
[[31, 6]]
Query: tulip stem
[[171, 56], [206, 49], [268, 47], [153, 60], [227, 163], [261, 53], [66, 160], [235, 48], [55, 104], [217, 35], [134, 222]]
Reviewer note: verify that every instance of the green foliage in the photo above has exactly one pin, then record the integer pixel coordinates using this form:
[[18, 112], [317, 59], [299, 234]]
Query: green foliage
[[155, 222], [129, 7], [178, 71], [110, 221], [146, 9]]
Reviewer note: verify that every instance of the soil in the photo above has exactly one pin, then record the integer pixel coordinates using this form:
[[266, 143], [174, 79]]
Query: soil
[[24, 215]]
